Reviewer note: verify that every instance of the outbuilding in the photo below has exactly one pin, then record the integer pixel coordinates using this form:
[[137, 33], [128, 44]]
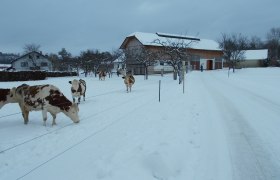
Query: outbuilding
[[254, 58]]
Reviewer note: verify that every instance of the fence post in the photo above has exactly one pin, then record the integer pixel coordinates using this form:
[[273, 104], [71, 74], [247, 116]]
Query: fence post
[[184, 67], [159, 84]]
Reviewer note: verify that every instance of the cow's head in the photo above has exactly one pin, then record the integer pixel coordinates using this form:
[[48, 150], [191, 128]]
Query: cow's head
[[13, 95], [7, 96], [75, 85], [72, 113]]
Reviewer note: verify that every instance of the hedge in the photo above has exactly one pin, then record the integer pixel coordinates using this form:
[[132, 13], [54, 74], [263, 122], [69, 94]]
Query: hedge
[[31, 75]]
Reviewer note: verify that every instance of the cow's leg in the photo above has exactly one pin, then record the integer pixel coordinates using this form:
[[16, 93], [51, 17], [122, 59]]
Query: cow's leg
[[25, 116], [73, 99], [84, 97], [54, 117], [25, 113], [79, 99], [22, 109], [45, 117]]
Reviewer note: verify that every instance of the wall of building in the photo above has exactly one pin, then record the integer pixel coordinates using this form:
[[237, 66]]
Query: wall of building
[[251, 63], [43, 63]]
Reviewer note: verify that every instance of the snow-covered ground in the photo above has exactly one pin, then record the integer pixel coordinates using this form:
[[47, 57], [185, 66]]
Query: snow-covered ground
[[221, 128]]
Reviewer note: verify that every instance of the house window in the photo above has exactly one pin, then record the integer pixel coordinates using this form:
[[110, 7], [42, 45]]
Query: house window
[[195, 58], [161, 63], [24, 64], [44, 64]]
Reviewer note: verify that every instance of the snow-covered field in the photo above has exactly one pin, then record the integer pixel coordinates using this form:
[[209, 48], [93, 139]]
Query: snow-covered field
[[221, 128]]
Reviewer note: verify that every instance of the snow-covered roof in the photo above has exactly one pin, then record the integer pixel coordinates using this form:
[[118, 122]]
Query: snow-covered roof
[[119, 59], [256, 54], [197, 43], [5, 65]]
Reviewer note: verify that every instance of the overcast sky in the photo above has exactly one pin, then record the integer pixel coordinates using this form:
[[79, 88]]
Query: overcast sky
[[78, 25]]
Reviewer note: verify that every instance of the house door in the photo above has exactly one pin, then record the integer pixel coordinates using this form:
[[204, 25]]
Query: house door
[[209, 64]]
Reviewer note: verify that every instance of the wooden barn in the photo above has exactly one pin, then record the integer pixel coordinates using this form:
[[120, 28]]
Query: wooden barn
[[203, 52]]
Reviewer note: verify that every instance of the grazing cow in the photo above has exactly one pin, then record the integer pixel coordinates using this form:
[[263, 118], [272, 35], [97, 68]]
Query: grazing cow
[[45, 98], [128, 81], [102, 75], [7, 96], [78, 89]]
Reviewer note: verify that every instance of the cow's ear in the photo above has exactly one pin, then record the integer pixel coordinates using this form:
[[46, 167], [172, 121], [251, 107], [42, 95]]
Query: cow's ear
[[13, 92], [70, 82]]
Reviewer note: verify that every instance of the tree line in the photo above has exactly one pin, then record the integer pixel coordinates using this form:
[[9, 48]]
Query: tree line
[[88, 61], [233, 46]]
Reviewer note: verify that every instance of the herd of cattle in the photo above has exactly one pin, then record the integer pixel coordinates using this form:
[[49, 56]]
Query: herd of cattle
[[48, 98]]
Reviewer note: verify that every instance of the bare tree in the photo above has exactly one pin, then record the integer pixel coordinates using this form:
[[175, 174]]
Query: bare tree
[[55, 61], [273, 42], [65, 60], [234, 47], [31, 47], [175, 51], [255, 43], [143, 56], [64, 54], [88, 61], [107, 62], [94, 60]]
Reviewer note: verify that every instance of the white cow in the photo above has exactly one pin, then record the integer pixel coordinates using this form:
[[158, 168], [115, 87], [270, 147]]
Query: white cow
[[45, 98], [78, 89]]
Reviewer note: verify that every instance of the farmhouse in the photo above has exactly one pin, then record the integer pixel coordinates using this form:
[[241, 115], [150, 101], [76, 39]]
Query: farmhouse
[[32, 61], [254, 58], [201, 51]]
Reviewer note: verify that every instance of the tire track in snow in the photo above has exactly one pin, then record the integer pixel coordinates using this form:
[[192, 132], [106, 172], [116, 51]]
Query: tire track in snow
[[251, 158], [70, 124], [271, 104], [91, 135]]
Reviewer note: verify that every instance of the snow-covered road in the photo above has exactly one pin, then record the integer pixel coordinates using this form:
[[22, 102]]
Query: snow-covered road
[[250, 117], [220, 128]]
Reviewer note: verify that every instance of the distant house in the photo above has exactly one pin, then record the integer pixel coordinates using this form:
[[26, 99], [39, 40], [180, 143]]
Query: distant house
[[32, 61], [254, 58], [202, 51], [118, 64]]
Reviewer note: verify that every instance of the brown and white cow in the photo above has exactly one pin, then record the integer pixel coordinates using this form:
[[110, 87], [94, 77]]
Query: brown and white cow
[[78, 89], [45, 98], [102, 75], [129, 80], [7, 96]]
